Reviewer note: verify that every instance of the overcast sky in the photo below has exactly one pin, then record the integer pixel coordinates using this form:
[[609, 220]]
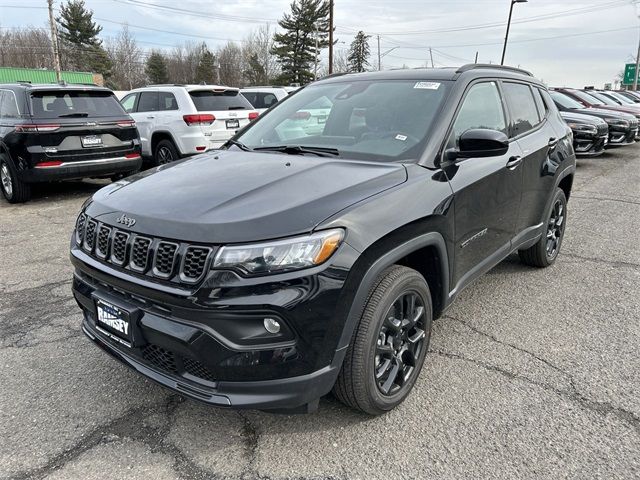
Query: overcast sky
[[569, 42]]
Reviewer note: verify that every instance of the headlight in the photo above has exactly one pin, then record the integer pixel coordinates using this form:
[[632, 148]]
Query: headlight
[[618, 122], [583, 127], [282, 255]]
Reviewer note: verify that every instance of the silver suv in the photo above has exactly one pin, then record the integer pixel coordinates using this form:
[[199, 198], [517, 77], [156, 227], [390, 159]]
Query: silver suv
[[180, 120]]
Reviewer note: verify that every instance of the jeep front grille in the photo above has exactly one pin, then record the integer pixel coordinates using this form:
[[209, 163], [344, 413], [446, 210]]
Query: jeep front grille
[[159, 258], [164, 260]]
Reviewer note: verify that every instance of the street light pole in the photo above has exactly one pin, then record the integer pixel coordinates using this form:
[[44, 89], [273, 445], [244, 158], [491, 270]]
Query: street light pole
[[635, 76], [506, 37]]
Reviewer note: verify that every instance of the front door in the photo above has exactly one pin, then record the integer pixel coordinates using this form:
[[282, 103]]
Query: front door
[[486, 190]]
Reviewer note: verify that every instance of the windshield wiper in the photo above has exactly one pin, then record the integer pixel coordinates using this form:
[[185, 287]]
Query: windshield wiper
[[240, 145], [74, 114], [301, 150]]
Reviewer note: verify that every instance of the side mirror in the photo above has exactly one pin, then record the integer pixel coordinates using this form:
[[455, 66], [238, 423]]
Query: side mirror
[[478, 143]]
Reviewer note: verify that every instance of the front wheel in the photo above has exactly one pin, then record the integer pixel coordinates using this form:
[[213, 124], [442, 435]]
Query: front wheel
[[389, 344], [545, 251]]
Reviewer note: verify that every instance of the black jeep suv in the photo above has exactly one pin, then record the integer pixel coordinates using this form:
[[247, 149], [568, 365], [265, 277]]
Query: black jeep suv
[[62, 132], [314, 252]]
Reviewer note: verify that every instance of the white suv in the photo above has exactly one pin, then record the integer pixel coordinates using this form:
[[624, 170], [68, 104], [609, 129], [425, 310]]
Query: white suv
[[263, 98], [181, 120]]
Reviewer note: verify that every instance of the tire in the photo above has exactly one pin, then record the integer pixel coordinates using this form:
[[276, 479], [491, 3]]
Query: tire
[[545, 251], [357, 385], [165, 152], [13, 189]]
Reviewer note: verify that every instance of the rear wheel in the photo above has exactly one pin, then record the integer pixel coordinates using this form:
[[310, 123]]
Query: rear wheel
[[13, 189], [545, 251], [166, 152], [389, 345]]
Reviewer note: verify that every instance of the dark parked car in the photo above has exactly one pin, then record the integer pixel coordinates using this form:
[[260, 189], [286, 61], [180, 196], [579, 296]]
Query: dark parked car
[[299, 261], [590, 134], [623, 128], [593, 99], [62, 132], [631, 95]]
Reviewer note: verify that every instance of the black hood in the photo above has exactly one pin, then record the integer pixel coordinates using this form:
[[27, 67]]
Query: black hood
[[582, 118], [231, 197]]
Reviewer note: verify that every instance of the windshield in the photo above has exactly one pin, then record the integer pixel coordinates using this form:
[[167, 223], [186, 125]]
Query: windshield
[[565, 101], [384, 120], [68, 103], [211, 101], [620, 98], [604, 99], [590, 99]]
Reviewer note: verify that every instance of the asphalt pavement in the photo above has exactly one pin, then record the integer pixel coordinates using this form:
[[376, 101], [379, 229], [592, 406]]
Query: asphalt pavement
[[531, 374]]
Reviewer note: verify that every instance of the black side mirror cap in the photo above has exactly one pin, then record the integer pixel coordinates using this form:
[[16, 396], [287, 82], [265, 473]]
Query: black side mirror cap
[[480, 142]]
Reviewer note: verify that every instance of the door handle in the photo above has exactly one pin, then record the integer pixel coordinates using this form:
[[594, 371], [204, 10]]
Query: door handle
[[513, 162]]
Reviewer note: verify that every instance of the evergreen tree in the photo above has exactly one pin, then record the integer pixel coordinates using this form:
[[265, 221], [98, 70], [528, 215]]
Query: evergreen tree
[[206, 69], [295, 48], [80, 46], [156, 68], [359, 53]]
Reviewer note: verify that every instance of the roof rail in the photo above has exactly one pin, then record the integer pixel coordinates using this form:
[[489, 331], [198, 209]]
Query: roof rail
[[333, 75], [473, 66], [167, 85]]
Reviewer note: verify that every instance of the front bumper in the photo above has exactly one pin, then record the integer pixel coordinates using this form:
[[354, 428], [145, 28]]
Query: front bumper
[[589, 145], [288, 393], [621, 137], [209, 342]]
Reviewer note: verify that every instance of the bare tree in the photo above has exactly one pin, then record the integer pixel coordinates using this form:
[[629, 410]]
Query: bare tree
[[127, 59], [28, 47], [231, 63], [261, 66], [182, 62]]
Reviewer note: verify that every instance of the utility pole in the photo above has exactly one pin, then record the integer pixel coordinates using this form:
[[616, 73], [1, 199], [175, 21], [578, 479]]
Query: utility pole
[[431, 55], [54, 42], [476, 60], [506, 37], [330, 37], [635, 76], [379, 57]]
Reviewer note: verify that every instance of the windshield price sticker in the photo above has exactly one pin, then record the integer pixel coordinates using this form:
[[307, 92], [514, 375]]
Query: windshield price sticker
[[427, 85]]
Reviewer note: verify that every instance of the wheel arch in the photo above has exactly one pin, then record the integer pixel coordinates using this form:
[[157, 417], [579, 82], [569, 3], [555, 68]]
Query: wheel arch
[[426, 253], [160, 135]]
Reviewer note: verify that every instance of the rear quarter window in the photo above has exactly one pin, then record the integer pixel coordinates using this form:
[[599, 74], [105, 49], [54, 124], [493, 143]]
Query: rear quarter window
[[69, 103], [212, 101]]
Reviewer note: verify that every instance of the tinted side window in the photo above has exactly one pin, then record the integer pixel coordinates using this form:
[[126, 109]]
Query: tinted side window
[[522, 106], [148, 102], [542, 108], [8, 107], [129, 102], [167, 101], [481, 108]]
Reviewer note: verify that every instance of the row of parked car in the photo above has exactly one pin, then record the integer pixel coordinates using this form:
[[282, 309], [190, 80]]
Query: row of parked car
[[68, 131], [599, 119]]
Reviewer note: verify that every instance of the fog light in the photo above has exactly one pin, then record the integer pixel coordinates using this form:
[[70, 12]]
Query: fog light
[[271, 325]]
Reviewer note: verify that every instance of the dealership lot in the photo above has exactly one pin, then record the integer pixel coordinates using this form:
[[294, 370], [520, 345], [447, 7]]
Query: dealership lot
[[532, 373]]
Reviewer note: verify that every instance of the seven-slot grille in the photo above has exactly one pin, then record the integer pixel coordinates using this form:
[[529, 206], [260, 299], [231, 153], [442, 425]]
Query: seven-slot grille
[[147, 256]]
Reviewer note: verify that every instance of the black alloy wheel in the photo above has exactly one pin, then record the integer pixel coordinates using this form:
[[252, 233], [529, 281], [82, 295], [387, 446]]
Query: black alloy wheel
[[400, 343], [555, 228]]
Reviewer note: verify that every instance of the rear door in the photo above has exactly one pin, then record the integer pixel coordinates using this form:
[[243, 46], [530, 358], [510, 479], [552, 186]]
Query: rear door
[[147, 106], [230, 109], [534, 131], [74, 125], [486, 190]]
